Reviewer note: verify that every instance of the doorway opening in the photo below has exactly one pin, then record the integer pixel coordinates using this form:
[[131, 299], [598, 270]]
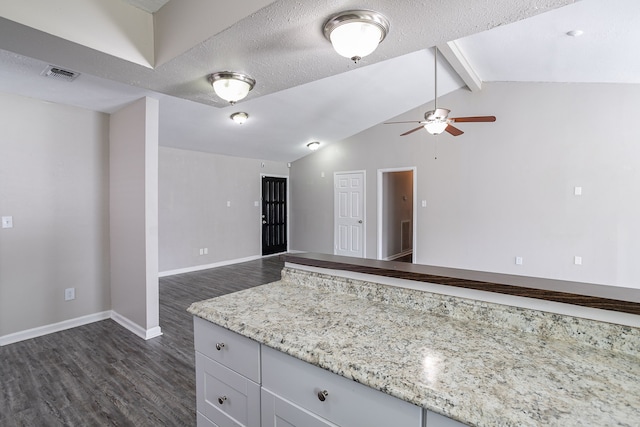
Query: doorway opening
[[274, 215], [397, 198]]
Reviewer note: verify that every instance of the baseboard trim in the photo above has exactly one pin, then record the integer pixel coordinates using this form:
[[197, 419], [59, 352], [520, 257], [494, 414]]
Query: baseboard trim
[[132, 326], [54, 327], [207, 266], [28, 334], [400, 255]]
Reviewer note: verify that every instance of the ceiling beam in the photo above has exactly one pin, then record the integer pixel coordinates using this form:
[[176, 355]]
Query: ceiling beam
[[452, 53]]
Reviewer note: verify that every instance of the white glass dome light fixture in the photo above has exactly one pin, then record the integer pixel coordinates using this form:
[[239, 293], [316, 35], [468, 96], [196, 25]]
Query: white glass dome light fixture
[[436, 121], [355, 34], [313, 145], [240, 117], [230, 86]]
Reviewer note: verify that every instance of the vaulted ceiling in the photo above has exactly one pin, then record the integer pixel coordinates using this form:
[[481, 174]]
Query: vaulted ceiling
[[304, 91]]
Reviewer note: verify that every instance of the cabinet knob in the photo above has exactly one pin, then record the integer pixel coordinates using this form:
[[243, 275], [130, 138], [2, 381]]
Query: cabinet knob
[[219, 346], [222, 399], [322, 395]]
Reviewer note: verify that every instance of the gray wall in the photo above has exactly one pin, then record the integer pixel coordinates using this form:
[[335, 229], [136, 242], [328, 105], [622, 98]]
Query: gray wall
[[134, 216], [194, 190], [54, 173], [503, 189]]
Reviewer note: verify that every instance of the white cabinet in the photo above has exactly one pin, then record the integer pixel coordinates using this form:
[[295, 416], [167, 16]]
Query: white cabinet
[[227, 377], [278, 412], [437, 420], [240, 383], [333, 397]]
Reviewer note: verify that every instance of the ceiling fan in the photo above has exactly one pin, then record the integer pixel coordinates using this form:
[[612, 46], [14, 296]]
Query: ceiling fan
[[437, 120]]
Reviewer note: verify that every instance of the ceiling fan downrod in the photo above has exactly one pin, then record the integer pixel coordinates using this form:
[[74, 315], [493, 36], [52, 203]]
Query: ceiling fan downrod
[[435, 73]]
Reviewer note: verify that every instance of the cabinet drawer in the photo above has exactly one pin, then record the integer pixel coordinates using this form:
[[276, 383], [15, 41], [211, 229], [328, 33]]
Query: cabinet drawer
[[437, 420], [232, 350], [202, 421], [277, 412], [224, 396], [347, 403]]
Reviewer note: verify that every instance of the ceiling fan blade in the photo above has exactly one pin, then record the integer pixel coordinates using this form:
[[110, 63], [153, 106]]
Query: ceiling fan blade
[[473, 119], [412, 121], [411, 131], [453, 130]]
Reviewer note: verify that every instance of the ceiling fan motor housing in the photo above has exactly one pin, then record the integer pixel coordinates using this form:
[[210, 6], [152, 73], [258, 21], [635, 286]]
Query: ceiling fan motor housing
[[439, 114]]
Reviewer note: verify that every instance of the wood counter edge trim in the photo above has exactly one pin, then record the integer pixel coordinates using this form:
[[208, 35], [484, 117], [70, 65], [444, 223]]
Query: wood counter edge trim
[[541, 294]]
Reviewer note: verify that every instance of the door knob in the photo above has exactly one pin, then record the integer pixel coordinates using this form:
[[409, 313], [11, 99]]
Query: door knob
[[360, 222], [264, 222]]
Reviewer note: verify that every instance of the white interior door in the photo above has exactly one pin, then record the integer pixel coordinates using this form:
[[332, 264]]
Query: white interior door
[[349, 214]]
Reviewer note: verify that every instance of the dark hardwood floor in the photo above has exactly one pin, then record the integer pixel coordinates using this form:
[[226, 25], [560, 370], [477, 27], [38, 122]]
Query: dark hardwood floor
[[103, 375]]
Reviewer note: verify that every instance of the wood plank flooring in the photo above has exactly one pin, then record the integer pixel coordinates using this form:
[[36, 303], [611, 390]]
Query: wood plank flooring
[[103, 375]]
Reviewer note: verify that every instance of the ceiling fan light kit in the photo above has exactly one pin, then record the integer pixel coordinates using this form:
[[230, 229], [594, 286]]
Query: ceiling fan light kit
[[231, 86], [436, 120], [355, 34]]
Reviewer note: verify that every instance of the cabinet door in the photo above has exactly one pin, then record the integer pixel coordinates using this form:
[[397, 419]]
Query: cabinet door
[[225, 397], [437, 420], [278, 412]]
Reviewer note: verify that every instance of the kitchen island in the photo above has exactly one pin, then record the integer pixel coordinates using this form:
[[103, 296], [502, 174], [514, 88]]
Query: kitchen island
[[480, 363]]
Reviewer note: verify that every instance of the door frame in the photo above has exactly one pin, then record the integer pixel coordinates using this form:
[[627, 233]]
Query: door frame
[[275, 175], [364, 210], [380, 195]]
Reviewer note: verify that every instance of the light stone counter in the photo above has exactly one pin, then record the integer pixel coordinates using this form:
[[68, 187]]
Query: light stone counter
[[479, 363]]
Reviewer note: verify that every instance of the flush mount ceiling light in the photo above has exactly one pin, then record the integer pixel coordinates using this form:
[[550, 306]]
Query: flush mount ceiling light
[[575, 33], [355, 34], [230, 86], [239, 117], [313, 146]]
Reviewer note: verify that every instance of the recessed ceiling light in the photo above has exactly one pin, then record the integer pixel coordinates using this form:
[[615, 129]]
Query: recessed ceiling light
[[575, 33]]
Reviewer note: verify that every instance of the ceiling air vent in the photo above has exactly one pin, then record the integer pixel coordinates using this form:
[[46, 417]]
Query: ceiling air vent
[[59, 74]]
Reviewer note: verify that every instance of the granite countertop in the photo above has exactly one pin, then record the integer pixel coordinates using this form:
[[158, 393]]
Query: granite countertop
[[472, 368]]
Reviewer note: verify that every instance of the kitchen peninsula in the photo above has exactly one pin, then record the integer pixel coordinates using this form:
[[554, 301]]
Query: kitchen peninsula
[[476, 362]]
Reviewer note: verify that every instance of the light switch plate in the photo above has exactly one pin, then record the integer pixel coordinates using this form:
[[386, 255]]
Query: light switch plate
[[7, 222]]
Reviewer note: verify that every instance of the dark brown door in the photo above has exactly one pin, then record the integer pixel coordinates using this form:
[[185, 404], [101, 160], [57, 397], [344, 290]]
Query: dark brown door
[[274, 215]]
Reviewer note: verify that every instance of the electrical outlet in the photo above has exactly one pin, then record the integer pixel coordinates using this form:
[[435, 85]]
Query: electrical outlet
[[7, 222], [69, 294]]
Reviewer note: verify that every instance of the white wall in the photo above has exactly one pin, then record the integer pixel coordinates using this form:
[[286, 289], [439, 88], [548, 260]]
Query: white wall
[[503, 189], [54, 182], [134, 216], [194, 190]]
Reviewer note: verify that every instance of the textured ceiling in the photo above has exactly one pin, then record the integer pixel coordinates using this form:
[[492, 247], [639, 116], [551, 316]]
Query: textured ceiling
[[305, 91]]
